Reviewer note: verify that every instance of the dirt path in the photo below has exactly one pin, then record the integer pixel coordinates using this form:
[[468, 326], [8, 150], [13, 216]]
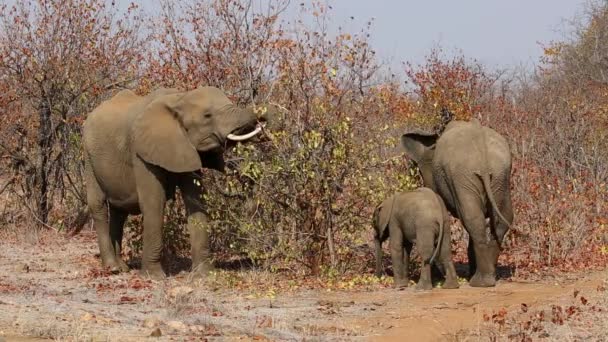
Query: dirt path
[[438, 315], [54, 289]]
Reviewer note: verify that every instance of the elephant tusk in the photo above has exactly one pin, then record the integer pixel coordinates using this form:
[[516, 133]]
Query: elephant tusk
[[235, 137]]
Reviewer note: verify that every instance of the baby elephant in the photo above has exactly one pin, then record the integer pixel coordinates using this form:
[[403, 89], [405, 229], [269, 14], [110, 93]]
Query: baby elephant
[[420, 216]]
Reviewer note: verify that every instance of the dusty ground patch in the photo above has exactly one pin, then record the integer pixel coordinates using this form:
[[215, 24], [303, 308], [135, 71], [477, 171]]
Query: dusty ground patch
[[54, 289]]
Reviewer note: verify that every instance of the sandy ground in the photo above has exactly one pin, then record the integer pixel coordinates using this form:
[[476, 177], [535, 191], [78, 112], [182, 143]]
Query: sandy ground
[[54, 289]]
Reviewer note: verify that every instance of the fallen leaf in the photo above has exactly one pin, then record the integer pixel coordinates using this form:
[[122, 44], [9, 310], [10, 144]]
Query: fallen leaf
[[180, 291], [151, 322], [156, 333], [177, 325], [87, 317]]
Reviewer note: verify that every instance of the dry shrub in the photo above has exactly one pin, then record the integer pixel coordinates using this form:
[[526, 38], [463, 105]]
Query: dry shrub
[[577, 318], [302, 197], [58, 59], [557, 127]]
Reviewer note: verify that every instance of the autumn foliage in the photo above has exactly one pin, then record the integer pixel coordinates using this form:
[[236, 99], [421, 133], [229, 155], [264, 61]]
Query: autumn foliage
[[301, 199]]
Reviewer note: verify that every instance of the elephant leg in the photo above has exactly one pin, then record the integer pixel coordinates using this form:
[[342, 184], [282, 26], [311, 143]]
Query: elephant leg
[[198, 226], [475, 223], [471, 255], [117, 222], [506, 208], [401, 278], [407, 251], [152, 199], [426, 242], [500, 227], [98, 208], [445, 256]]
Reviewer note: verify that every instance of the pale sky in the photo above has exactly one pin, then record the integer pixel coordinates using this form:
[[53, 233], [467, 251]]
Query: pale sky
[[496, 32], [499, 33]]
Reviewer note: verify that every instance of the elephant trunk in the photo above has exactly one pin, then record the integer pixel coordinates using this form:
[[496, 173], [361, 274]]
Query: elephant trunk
[[237, 123], [247, 122]]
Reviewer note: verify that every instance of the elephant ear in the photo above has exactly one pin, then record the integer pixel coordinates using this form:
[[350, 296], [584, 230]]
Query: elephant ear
[[382, 216], [159, 138], [418, 144]]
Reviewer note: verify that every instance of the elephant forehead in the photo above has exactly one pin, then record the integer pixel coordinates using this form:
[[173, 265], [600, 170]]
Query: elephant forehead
[[211, 98]]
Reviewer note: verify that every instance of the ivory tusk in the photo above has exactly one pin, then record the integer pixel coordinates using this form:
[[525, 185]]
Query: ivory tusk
[[235, 137]]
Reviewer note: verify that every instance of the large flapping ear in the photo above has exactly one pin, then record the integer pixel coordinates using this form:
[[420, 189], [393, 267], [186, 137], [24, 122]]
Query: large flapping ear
[[381, 218], [159, 138], [385, 217], [417, 144]]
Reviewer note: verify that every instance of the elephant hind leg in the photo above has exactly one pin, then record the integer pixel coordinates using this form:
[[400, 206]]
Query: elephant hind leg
[[401, 278], [445, 257], [484, 245], [425, 240], [117, 221], [471, 255], [500, 227]]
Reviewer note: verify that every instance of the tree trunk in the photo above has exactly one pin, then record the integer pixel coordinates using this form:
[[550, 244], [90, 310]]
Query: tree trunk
[[44, 150]]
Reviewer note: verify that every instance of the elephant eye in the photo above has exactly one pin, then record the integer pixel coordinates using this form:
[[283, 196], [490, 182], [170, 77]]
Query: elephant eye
[[207, 115]]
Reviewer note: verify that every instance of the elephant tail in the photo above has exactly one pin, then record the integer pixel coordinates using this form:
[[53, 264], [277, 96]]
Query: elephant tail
[[484, 175], [439, 237], [485, 179]]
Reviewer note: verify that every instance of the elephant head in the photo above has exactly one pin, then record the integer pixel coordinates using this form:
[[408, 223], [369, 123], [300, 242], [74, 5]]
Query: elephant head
[[420, 147], [184, 131], [380, 220]]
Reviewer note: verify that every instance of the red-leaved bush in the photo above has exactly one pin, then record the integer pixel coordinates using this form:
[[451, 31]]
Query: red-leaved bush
[[303, 197]]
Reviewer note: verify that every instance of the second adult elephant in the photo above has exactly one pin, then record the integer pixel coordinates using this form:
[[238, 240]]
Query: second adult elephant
[[139, 149], [469, 166]]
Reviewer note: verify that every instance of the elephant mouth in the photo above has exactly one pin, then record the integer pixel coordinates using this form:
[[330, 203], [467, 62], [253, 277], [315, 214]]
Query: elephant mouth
[[242, 137]]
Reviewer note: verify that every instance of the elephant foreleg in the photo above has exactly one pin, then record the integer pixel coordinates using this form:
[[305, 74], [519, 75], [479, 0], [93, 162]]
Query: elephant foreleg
[[152, 199], [98, 208], [198, 226]]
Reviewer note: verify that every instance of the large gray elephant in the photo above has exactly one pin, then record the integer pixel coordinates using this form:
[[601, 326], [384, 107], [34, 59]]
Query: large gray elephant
[[139, 149], [419, 215], [469, 166]]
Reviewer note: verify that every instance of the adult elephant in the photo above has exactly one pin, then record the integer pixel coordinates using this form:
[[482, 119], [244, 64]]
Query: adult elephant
[[139, 149], [469, 166]]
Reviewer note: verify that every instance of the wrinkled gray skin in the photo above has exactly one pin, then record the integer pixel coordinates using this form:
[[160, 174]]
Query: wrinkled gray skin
[[139, 149], [469, 166], [419, 216]]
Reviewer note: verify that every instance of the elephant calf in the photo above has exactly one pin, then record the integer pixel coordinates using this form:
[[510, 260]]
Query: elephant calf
[[420, 216]]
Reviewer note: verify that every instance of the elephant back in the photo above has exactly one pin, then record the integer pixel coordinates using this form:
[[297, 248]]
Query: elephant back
[[467, 145], [108, 121]]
